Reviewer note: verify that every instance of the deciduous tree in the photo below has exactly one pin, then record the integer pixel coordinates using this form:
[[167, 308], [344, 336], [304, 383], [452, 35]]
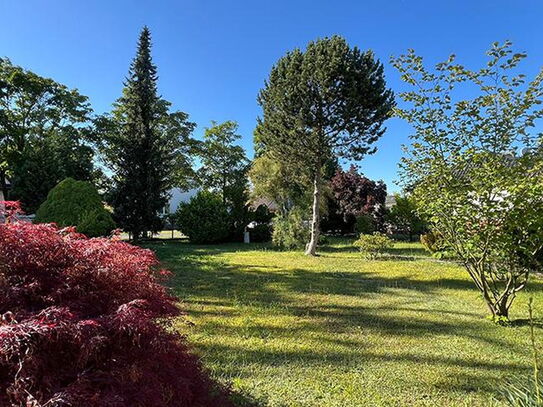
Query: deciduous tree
[[45, 134], [357, 195], [477, 165]]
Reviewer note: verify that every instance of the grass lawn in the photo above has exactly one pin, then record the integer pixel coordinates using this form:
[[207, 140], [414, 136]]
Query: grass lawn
[[288, 330]]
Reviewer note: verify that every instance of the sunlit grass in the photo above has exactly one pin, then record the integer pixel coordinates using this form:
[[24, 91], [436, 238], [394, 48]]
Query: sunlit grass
[[289, 330]]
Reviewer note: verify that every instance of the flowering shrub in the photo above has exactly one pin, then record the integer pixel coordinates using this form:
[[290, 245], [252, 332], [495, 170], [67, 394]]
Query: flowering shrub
[[79, 325]]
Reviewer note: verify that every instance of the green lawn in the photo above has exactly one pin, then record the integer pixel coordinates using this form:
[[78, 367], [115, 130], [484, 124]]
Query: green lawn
[[288, 330]]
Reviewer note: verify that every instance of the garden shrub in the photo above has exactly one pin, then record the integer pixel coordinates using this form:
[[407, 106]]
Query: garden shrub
[[76, 203], [290, 231], [204, 219], [374, 245], [433, 242], [80, 325], [365, 224], [261, 233], [262, 214]]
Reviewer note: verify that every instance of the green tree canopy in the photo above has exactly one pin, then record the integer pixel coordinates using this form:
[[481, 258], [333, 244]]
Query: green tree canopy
[[223, 162], [45, 134], [327, 100], [404, 218], [224, 171]]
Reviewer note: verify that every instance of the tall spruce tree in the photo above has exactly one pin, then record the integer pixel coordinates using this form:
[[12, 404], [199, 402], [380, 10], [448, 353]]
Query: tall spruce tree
[[330, 100], [145, 145]]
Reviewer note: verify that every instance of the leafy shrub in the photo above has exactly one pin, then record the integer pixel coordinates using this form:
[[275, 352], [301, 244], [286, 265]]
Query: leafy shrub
[[262, 214], [373, 246], [290, 231], [433, 242], [79, 326], [365, 224], [76, 203], [204, 219], [261, 233]]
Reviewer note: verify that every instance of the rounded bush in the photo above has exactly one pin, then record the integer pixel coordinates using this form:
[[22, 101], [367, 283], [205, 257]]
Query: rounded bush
[[204, 219], [79, 325], [374, 245], [76, 203]]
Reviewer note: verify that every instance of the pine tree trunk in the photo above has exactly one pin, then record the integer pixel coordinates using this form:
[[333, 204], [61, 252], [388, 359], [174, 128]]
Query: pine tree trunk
[[311, 249]]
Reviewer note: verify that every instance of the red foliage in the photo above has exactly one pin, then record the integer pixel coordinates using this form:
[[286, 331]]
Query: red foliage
[[356, 194], [10, 209], [79, 325]]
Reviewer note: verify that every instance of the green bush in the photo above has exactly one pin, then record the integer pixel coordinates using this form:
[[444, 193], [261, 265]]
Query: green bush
[[365, 224], [260, 233], [204, 219], [76, 203], [262, 214], [290, 231], [433, 242], [373, 246]]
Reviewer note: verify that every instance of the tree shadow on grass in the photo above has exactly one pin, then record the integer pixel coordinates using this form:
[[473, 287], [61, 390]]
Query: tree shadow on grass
[[225, 291], [537, 322]]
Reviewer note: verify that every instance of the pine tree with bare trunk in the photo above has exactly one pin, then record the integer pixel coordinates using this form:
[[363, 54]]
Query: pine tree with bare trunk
[[329, 100]]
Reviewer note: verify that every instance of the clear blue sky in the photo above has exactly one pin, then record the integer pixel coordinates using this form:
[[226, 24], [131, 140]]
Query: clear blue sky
[[213, 56]]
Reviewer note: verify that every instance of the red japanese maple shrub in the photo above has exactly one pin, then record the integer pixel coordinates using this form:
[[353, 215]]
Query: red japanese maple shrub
[[80, 325]]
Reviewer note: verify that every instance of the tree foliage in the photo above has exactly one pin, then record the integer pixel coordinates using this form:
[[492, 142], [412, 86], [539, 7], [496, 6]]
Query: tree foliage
[[278, 181], [327, 100], [45, 134], [223, 162], [204, 219], [357, 195], [404, 218], [476, 164], [80, 325], [224, 171], [147, 147], [76, 203]]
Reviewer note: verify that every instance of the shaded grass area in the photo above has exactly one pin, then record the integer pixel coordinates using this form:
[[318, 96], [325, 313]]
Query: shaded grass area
[[288, 330]]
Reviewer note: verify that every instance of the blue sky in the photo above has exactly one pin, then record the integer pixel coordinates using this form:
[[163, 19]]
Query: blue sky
[[213, 56]]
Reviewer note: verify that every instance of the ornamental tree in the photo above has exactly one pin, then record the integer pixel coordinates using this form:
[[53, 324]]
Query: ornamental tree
[[327, 100], [357, 195], [475, 165], [83, 323]]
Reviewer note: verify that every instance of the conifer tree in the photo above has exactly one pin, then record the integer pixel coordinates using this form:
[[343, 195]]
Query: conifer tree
[[329, 100], [146, 146]]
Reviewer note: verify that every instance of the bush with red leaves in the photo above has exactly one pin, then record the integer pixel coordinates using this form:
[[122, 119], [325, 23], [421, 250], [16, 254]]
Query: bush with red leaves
[[79, 325]]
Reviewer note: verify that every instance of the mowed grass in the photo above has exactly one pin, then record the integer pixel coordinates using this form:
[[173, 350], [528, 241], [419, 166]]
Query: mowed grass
[[284, 329]]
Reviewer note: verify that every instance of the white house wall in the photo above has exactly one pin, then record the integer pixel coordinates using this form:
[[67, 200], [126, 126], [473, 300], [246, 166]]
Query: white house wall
[[177, 196]]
